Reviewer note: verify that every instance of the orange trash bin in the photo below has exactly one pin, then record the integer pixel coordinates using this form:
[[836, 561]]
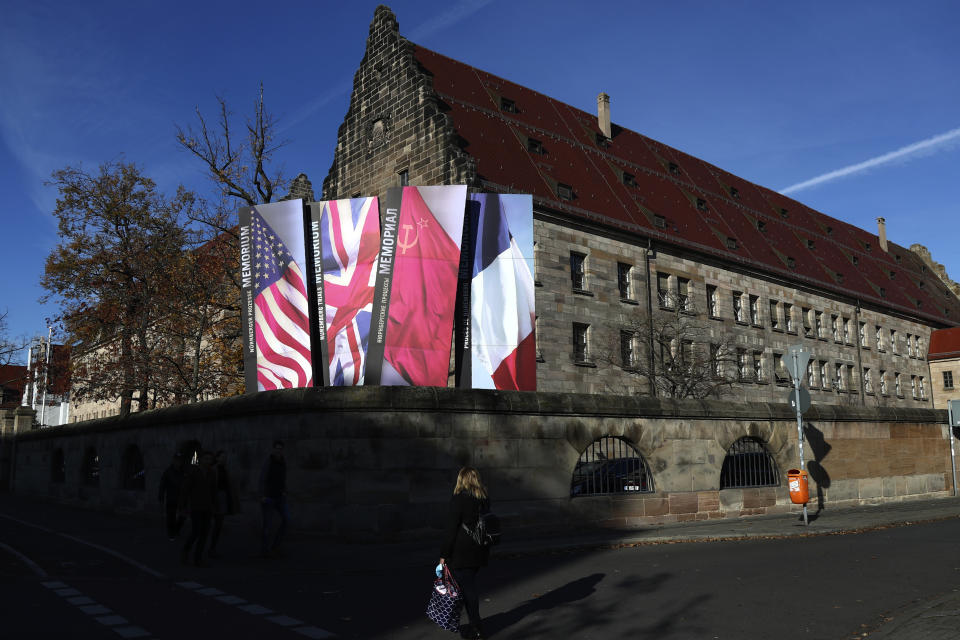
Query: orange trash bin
[[799, 487]]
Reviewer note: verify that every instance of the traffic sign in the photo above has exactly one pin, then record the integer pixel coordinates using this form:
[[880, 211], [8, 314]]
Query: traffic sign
[[796, 361], [804, 399]]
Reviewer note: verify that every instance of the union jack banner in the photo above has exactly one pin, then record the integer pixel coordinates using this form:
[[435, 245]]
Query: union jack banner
[[280, 318], [349, 244]]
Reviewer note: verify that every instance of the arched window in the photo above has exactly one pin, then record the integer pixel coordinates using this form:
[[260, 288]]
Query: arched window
[[610, 465], [90, 469], [748, 464], [133, 473], [58, 467]]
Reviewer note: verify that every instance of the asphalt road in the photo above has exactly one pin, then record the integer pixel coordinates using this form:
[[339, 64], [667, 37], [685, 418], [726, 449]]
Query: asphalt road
[[67, 573]]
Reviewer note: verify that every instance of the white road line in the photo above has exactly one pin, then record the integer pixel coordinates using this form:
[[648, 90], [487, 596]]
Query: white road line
[[115, 554], [25, 560]]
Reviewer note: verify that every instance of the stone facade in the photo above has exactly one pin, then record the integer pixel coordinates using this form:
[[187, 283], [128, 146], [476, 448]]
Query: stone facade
[[396, 132], [380, 462], [943, 372]]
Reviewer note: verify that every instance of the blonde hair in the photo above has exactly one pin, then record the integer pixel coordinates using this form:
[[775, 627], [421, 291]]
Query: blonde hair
[[469, 480]]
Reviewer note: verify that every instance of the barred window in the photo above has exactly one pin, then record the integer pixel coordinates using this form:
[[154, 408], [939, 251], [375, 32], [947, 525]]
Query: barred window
[[133, 472], [578, 275], [610, 465], [623, 281], [580, 347], [748, 464], [627, 354], [90, 470]]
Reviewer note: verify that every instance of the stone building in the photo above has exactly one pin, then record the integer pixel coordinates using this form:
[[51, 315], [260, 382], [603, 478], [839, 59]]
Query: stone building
[[944, 360], [628, 228]]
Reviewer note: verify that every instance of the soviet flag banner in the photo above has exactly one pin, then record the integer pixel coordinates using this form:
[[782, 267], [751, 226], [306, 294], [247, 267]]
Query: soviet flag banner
[[345, 238], [416, 284], [275, 312], [502, 307]]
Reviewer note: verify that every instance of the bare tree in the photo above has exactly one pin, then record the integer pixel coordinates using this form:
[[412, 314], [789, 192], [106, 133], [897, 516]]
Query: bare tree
[[8, 346], [239, 165], [674, 353]]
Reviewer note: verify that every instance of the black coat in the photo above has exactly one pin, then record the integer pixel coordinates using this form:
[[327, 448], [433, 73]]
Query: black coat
[[459, 549]]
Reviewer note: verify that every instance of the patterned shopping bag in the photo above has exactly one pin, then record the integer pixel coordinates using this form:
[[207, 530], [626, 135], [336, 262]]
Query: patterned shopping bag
[[445, 602]]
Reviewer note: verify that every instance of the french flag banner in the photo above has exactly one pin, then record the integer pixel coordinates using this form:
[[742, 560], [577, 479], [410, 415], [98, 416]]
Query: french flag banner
[[416, 283], [275, 312], [502, 304], [345, 237]]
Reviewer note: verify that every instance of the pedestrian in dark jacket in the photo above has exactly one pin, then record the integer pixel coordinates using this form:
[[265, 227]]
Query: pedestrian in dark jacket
[[273, 497], [460, 552], [170, 483], [226, 503], [197, 497]]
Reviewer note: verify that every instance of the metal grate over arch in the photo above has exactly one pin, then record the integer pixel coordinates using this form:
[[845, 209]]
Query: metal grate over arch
[[748, 464], [610, 465]]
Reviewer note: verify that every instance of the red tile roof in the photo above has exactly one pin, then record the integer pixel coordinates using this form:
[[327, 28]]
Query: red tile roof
[[944, 344], [796, 241], [13, 380]]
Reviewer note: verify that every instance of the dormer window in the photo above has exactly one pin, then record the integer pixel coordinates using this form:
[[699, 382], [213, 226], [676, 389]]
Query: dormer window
[[791, 262], [659, 222], [784, 213], [855, 260], [840, 278], [508, 105], [564, 191], [731, 243], [867, 245], [921, 284], [674, 168], [534, 145], [893, 274], [761, 226], [810, 244], [829, 231], [883, 294], [734, 193], [701, 204], [629, 179], [897, 258]]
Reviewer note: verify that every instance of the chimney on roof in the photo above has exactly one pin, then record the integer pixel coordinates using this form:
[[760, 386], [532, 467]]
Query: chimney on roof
[[882, 232], [603, 114]]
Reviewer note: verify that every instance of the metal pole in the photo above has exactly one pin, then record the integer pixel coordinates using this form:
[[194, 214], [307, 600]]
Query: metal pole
[[46, 370], [796, 395], [953, 460]]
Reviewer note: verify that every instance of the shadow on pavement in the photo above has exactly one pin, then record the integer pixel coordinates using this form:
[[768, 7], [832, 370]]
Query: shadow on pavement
[[571, 592]]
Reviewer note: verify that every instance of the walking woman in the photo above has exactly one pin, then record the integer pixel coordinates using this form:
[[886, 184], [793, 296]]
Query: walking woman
[[462, 555]]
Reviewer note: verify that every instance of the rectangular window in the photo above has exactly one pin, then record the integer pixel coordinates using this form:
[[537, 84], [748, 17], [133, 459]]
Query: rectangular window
[[948, 379], [713, 303], [835, 325], [580, 346], [920, 351], [819, 320], [913, 387], [683, 294], [627, 354], [774, 314], [663, 290], [849, 378], [564, 191], [920, 386], [755, 310], [534, 145], [846, 331], [810, 374], [805, 317], [623, 281], [893, 340], [508, 105], [897, 385], [404, 178], [758, 366], [824, 378], [863, 334], [867, 382], [578, 274], [788, 317], [738, 306], [741, 364], [909, 345], [686, 354], [838, 377], [883, 382], [879, 334], [716, 360], [780, 373]]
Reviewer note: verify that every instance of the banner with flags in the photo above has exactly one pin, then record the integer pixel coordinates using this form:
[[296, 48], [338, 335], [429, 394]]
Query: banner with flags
[[416, 283], [345, 236], [501, 344], [275, 310]]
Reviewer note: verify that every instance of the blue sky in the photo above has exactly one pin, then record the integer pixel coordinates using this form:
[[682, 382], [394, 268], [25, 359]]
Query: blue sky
[[779, 93]]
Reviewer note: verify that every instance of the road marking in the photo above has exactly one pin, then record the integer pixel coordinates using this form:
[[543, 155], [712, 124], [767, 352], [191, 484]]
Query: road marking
[[78, 600], [112, 621], [27, 561], [28, 524], [69, 591], [53, 585], [131, 632], [291, 624]]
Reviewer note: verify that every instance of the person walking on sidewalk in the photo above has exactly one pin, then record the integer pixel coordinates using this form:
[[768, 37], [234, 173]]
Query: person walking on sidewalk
[[197, 498], [226, 503], [460, 552], [170, 483], [273, 497]]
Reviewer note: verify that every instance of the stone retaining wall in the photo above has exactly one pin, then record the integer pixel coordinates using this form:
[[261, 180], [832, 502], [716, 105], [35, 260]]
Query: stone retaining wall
[[380, 462]]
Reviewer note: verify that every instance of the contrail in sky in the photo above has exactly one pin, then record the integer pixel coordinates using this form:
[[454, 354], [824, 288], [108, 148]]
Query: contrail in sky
[[924, 145]]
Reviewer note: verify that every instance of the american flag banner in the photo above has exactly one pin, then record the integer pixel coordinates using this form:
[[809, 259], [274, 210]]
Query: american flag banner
[[346, 237], [276, 312]]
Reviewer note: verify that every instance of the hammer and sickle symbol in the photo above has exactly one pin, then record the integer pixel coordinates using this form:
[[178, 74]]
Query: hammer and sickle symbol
[[406, 243]]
